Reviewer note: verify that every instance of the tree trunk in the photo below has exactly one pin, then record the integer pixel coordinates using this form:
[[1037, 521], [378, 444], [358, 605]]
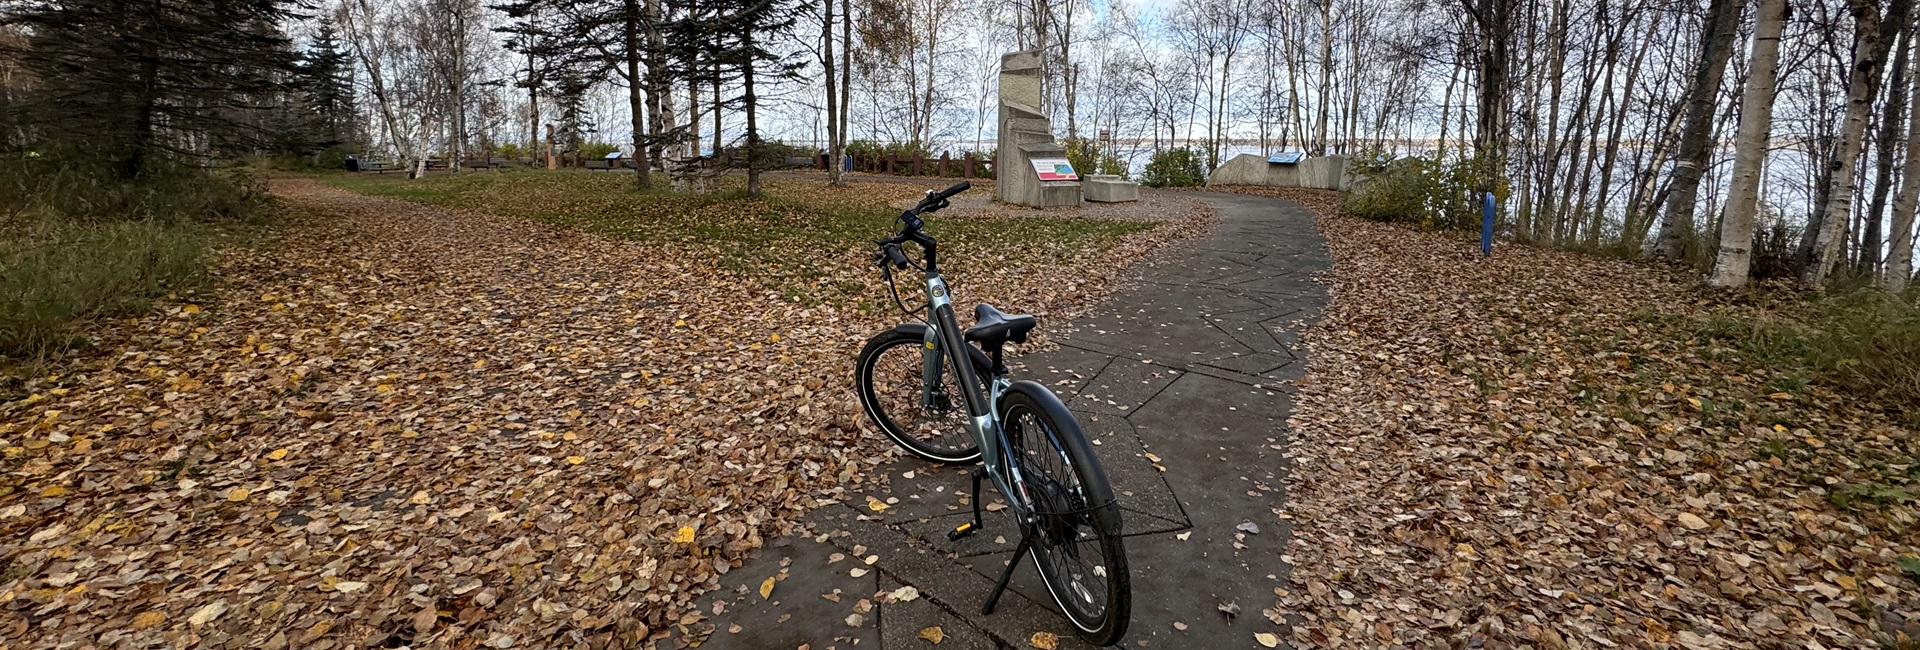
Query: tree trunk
[[1750, 154], [1900, 260], [1326, 78], [636, 101], [1716, 47], [846, 87], [1862, 84], [1494, 20], [834, 174], [753, 126], [659, 91], [1890, 120]]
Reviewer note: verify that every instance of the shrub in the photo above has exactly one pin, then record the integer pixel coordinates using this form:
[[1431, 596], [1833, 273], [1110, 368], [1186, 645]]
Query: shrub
[[1088, 157], [1179, 167], [868, 153], [1416, 190], [597, 150], [78, 241]]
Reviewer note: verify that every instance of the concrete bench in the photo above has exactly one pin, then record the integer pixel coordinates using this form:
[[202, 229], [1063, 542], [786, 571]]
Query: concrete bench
[[1108, 188]]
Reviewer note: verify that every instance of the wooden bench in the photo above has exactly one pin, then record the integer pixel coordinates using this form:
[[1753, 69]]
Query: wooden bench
[[602, 164]]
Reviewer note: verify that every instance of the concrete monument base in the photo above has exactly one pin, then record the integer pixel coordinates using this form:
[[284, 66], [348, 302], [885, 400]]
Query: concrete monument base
[[1325, 173], [1108, 188]]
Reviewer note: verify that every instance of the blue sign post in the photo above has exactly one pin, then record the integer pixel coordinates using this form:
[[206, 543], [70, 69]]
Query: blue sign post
[[1486, 227]]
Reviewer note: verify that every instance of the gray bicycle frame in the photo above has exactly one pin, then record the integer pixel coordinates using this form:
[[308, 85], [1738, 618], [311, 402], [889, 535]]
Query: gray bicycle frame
[[944, 344]]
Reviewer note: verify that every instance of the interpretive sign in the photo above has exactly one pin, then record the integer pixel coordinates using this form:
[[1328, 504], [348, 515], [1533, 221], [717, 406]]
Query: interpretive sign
[[1288, 158], [1054, 169]]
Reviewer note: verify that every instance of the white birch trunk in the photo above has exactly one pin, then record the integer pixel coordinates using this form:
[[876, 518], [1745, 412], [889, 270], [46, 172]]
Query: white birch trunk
[[1900, 259], [1756, 127]]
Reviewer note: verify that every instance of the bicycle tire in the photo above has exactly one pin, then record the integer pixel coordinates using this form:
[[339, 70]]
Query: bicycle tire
[[1076, 512], [945, 439]]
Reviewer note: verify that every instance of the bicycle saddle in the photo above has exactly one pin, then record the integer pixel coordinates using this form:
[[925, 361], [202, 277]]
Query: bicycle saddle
[[991, 327]]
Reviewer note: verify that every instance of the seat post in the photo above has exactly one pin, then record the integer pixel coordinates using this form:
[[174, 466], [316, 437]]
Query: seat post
[[993, 350]]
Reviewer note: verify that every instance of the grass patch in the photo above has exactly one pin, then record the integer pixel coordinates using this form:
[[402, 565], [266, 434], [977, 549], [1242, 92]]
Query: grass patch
[[794, 237], [78, 242], [1863, 340]]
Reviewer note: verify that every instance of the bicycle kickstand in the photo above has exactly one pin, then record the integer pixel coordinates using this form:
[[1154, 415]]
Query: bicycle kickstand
[[1019, 550], [971, 527]]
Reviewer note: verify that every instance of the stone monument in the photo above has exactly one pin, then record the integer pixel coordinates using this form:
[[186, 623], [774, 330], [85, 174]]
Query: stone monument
[[1032, 169]]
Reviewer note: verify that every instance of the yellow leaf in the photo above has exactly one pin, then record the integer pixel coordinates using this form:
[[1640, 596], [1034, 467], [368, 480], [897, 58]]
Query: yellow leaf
[[576, 460], [54, 491], [479, 363], [1694, 401], [420, 498], [237, 495], [766, 588], [277, 454], [1848, 582], [776, 339], [190, 309], [1267, 639], [875, 504], [684, 536], [1044, 641], [148, 619], [933, 635], [1780, 396]]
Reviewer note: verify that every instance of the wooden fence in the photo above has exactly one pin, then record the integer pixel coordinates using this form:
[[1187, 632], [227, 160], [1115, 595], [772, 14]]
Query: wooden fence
[[966, 166]]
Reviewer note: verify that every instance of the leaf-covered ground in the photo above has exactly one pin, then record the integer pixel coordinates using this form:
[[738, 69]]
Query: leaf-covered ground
[[1545, 450], [454, 426]]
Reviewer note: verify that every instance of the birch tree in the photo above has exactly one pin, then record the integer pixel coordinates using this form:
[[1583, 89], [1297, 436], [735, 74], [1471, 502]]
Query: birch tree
[[1756, 129]]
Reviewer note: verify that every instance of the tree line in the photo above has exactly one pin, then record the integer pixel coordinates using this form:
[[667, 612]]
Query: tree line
[[1752, 137]]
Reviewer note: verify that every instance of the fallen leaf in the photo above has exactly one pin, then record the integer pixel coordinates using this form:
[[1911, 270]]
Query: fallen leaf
[[149, 619], [237, 495], [766, 588], [1044, 641], [207, 613], [933, 635], [1267, 639], [684, 535]]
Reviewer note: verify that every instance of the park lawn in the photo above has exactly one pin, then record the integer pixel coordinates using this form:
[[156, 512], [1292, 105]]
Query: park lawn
[[804, 239]]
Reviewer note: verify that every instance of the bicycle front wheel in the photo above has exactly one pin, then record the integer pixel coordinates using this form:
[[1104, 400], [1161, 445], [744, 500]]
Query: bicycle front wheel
[[1076, 541], [891, 379]]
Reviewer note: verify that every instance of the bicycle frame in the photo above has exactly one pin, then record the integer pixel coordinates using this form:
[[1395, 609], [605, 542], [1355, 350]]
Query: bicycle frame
[[944, 344]]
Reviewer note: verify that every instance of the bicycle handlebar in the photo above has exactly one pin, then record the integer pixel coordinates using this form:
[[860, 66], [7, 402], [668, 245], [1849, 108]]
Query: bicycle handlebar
[[910, 229]]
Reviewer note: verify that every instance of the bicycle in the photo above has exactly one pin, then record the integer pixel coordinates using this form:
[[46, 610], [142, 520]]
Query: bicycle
[[955, 404]]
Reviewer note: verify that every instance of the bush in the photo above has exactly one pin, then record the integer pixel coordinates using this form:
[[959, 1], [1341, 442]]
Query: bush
[[1088, 157], [1416, 190], [597, 150], [869, 154], [77, 241], [1174, 168]]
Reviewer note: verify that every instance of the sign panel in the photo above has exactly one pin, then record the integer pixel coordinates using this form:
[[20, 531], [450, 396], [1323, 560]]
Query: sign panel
[[1288, 158], [1054, 169]]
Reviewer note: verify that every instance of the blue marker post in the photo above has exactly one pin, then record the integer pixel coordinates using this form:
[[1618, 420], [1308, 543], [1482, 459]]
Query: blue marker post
[[1486, 227]]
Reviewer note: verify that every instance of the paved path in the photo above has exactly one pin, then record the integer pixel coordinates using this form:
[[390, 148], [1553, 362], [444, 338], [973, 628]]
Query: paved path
[[1184, 366]]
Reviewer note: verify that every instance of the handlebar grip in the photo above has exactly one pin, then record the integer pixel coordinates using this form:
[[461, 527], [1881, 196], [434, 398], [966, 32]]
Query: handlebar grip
[[957, 188], [895, 255]]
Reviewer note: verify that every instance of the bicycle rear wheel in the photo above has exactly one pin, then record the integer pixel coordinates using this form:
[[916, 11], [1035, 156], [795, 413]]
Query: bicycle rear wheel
[[1076, 540]]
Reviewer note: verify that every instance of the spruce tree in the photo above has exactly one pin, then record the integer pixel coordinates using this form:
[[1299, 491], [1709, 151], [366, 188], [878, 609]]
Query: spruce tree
[[326, 80], [138, 80]]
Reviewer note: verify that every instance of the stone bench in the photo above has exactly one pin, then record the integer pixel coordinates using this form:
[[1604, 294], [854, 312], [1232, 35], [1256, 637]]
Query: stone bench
[[1108, 188]]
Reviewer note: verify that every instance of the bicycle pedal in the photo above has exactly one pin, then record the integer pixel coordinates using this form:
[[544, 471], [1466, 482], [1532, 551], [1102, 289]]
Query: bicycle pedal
[[965, 530]]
